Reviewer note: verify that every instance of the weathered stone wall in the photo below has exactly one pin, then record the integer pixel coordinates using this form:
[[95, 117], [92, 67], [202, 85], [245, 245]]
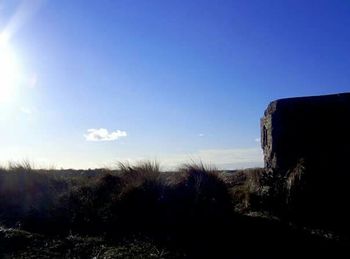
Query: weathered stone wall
[[306, 146], [313, 128]]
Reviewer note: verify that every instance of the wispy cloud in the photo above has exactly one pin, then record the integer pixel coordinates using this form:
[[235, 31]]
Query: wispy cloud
[[102, 134], [221, 158], [230, 158]]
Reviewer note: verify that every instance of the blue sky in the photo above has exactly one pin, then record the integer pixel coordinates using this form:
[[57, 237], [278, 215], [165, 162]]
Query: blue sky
[[107, 80]]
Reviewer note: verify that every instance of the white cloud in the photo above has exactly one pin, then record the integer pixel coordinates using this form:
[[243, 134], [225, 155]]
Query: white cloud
[[257, 140], [201, 135], [102, 134]]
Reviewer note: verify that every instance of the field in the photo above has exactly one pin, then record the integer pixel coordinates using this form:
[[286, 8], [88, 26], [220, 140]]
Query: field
[[138, 211]]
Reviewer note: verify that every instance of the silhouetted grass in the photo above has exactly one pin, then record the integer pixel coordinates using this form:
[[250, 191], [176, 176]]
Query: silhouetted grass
[[196, 209]]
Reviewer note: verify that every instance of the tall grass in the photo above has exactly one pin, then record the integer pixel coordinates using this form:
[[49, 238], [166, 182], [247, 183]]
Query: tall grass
[[132, 196], [194, 207]]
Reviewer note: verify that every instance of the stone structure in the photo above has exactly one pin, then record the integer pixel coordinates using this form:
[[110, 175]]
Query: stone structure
[[315, 129]]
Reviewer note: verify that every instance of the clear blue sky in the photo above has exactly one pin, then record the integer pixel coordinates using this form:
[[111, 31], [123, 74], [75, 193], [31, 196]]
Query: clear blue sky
[[180, 80]]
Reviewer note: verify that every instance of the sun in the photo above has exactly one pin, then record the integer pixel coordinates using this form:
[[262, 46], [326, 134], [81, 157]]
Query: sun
[[9, 73]]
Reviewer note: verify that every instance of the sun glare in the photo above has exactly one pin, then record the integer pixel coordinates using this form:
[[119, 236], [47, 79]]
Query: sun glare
[[9, 73]]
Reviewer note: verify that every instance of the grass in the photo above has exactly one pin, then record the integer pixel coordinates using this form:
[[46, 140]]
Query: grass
[[197, 210]]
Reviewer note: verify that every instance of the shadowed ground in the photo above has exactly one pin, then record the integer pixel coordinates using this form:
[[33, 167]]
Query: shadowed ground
[[140, 212]]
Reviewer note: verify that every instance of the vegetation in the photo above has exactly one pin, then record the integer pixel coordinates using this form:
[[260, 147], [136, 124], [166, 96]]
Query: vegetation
[[139, 211]]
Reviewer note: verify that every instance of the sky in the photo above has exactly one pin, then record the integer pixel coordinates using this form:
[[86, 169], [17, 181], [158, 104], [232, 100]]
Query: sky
[[87, 83]]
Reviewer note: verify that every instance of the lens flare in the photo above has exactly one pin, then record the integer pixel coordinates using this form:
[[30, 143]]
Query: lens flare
[[9, 73]]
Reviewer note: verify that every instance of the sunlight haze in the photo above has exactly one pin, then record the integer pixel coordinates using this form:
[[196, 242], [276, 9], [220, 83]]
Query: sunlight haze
[[84, 84]]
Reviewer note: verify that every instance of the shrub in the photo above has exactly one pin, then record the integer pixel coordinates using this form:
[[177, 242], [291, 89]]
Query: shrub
[[91, 206], [143, 194], [199, 198]]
